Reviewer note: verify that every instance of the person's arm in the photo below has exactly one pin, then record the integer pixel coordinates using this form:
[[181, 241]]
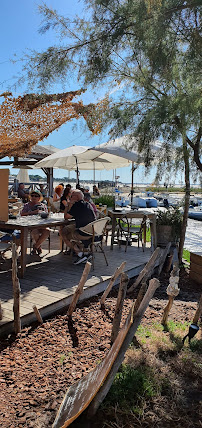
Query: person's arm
[[67, 214], [29, 212], [26, 211], [55, 197]]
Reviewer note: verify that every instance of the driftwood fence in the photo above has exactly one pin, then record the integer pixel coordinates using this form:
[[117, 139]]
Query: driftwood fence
[[91, 390]]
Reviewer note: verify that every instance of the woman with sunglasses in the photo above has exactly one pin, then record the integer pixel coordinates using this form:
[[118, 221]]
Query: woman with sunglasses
[[33, 207]]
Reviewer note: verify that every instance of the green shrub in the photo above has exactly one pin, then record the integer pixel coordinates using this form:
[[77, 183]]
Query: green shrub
[[105, 200], [131, 386], [170, 217], [186, 255]]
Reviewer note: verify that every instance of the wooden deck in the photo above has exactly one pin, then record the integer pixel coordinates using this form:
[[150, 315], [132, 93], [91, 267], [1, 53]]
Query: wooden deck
[[50, 281]]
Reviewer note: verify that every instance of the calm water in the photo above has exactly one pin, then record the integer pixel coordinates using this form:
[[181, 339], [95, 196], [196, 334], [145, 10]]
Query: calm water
[[193, 239]]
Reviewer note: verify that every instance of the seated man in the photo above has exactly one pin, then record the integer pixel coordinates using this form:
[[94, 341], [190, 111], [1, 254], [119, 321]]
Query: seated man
[[43, 190], [83, 214], [22, 193], [32, 208]]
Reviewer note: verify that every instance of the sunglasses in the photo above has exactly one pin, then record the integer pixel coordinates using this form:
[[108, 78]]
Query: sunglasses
[[34, 195]]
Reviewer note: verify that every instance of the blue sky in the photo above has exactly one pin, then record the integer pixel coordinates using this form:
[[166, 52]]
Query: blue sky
[[20, 23]]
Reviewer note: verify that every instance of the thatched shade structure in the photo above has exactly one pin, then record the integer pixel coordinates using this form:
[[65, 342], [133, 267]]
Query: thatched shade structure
[[26, 120]]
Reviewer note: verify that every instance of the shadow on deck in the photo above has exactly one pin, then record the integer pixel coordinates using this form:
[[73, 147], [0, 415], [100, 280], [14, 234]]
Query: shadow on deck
[[50, 281]]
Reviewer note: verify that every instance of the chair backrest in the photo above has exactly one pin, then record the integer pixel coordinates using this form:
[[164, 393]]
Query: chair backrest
[[95, 227]]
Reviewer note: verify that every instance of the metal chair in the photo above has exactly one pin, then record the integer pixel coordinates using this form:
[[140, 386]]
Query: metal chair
[[95, 230], [128, 231]]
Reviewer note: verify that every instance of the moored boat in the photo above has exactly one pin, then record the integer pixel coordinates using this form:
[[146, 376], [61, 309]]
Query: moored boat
[[195, 213]]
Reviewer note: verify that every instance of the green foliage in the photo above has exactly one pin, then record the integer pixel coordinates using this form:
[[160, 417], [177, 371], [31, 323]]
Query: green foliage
[[150, 52], [105, 200], [170, 217], [148, 56], [131, 386], [186, 255], [62, 358], [152, 377], [35, 177]]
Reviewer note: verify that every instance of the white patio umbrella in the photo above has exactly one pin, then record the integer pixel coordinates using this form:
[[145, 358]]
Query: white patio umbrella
[[110, 155], [83, 158], [118, 147], [23, 176]]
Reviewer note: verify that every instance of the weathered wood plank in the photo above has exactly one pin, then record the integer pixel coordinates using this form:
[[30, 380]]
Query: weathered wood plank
[[50, 283]]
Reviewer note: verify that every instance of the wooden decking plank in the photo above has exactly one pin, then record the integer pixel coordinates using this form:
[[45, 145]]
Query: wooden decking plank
[[42, 289], [50, 282], [25, 307]]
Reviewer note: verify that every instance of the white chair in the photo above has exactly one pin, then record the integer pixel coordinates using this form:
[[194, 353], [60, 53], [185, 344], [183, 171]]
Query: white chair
[[96, 230]]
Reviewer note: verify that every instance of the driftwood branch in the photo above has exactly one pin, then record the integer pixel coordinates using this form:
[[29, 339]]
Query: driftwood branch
[[119, 306], [111, 282], [16, 291], [198, 311], [79, 289], [147, 270], [38, 315], [140, 296], [167, 309], [172, 291], [153, 284]]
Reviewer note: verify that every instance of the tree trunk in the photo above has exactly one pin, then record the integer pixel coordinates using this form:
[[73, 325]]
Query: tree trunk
[[187, 194]]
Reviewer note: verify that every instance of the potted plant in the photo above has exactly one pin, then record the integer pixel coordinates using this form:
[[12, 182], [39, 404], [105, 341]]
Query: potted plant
[[168, 226]]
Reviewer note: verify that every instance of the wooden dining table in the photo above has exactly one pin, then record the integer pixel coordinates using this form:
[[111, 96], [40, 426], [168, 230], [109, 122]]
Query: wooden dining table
[[118, 214], [27, 223]]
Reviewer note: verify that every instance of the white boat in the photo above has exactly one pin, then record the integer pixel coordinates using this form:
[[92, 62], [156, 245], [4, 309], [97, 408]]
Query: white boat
[[195, 213]]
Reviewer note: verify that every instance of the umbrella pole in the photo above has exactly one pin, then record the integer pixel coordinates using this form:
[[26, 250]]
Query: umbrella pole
[[94, 172], [77, 172]]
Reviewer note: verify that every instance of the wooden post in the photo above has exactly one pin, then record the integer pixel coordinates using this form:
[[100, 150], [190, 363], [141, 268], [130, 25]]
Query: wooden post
[[79, 289], [111, 282], [1, 313], [38, 315], [148, 269], [153, 284], [167, 310], [16, 291], [119, 306], [198, 311]]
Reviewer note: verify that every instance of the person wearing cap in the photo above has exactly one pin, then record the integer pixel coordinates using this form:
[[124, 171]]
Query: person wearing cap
[[33, 207]]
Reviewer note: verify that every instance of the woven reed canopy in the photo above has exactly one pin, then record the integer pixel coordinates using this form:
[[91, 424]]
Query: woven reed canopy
[[26, 120]]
